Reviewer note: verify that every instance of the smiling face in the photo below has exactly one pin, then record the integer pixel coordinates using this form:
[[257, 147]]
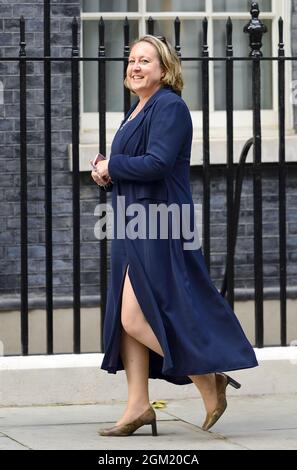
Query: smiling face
[[144, 72]]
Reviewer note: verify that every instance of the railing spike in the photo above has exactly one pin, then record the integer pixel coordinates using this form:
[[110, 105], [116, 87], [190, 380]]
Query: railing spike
[[22, 36], [205, 30], [101, 32], [150, 22], [126, 36], [229, 28], [177, 35], [281, 30]]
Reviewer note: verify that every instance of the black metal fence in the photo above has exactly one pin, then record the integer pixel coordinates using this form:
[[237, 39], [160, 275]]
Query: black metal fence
[[234, 172]]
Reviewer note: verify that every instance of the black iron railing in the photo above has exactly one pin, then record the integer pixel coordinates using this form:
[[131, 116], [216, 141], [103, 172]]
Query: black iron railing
[[234, 173]]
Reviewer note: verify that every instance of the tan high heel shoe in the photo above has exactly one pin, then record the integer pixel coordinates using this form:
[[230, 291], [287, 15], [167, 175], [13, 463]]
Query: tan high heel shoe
[[148, 417], [222, 381]]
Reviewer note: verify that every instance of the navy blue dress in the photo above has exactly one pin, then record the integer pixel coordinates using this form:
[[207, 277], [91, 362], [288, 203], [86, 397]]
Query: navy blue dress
[[195, 326]]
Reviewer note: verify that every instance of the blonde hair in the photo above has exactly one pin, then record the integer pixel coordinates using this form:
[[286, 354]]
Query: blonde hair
[[169, 62]]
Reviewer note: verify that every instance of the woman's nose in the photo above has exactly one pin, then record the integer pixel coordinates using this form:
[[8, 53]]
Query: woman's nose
[[136, 66]]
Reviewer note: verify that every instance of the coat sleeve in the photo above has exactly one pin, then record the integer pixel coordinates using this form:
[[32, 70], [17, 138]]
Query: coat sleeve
[[168, 130]]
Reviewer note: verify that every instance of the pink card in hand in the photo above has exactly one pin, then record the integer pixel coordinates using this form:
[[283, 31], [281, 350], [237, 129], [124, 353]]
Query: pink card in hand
[[98, 158]]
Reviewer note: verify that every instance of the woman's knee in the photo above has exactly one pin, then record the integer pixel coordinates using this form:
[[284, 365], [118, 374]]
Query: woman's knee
[[131, 322]]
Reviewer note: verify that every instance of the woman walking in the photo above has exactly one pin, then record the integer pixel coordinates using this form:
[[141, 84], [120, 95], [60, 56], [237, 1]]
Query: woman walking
[[164, 316]]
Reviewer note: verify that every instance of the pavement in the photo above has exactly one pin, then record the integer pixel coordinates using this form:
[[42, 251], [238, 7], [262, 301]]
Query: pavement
[[266, 422]]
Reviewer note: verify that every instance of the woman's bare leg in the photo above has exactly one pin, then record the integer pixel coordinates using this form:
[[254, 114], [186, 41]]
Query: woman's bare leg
[[135, 357], [138, 329], [134, 321], [136, 337]]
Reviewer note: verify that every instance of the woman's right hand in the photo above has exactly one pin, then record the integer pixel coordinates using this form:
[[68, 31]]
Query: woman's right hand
[[99, 180]]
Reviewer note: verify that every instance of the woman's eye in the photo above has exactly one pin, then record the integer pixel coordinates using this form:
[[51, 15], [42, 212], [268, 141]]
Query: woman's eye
[[142, 61]]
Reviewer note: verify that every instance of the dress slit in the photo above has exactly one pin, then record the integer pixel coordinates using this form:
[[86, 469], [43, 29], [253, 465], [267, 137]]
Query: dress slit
[[126, 273]]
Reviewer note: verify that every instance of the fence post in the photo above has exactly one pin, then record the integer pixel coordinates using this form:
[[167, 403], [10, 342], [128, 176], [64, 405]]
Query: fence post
[[48, 177], [102, 149], [206, 161], [282, 186], [23, 190], [127, 95], [75, 188], [255, 28], [230, 164]]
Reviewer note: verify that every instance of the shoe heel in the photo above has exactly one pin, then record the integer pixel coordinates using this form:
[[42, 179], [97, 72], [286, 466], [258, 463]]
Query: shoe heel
[[233, 382], [154, 428]]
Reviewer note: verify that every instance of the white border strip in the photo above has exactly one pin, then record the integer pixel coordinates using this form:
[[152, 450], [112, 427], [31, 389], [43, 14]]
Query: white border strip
[[58, 361], [61, 361]]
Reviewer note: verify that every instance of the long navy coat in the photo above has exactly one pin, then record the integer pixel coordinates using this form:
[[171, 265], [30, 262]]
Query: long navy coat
[[196, 328]]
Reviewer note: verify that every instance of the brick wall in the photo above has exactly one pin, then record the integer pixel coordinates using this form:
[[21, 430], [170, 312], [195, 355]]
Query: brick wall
[[244, 269], [62, 13]]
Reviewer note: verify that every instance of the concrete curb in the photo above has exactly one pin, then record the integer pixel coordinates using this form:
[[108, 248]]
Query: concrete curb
[[78, 379]]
